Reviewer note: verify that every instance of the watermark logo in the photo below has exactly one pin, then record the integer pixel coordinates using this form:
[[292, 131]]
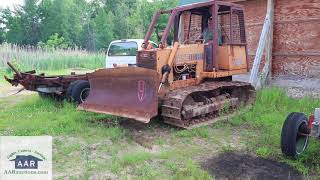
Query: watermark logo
[[26, 162], [25, 157]]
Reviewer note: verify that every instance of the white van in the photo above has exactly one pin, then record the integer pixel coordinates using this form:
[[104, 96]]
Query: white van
[[123, 52]]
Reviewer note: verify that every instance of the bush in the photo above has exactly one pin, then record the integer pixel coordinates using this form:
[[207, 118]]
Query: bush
[[54, 42]]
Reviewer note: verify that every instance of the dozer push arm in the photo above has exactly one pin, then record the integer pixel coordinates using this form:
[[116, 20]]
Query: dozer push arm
[[166, 69]]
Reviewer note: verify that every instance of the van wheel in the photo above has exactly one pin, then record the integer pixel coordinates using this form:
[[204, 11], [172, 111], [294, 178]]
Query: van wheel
[[80, 91], [294, 136]]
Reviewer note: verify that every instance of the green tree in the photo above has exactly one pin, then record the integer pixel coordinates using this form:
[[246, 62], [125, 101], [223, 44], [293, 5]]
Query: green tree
[[31, 22], [2, 35], [14, 26], [98, 31], [23, 23], [88, 24], [2, 27], [63, 17], [104, 24]]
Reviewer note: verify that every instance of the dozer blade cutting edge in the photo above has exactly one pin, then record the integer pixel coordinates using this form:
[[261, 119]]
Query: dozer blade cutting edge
[[126, 92]]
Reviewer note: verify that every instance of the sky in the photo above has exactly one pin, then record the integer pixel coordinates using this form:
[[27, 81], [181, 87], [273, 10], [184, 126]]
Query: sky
[[10, 3]]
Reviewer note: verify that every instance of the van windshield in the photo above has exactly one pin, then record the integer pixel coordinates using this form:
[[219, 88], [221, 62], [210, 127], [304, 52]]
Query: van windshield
[[123, 49]]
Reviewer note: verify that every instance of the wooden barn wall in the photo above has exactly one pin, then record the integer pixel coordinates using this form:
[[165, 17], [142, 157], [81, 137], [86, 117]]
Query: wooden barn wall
[[296, 35]]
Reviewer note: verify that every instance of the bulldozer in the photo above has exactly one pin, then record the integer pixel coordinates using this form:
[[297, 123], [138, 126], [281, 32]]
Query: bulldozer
[[188, 81]]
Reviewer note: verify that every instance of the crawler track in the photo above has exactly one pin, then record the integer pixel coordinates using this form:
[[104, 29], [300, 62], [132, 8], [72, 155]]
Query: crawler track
[[206, 103]]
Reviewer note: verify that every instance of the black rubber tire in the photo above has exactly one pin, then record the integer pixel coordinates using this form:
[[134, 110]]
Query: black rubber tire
[[78, 91], [69, 90], [295, 123]]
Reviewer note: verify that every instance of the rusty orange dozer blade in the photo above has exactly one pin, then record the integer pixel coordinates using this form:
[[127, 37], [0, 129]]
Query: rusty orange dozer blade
[[130, 92]]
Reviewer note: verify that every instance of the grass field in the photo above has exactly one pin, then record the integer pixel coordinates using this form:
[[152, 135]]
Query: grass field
[[93, 145], [31, 58]]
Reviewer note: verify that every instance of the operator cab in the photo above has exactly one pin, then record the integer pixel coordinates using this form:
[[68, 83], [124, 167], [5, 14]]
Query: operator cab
[[222, 33], [210, 43]]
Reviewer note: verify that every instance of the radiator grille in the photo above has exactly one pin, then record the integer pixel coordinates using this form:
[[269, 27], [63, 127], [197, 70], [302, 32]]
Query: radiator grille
[[236, 33]]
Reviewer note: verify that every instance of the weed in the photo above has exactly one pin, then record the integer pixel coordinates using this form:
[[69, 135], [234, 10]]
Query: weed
[[147, 171], [130, 159], [225, 109], [160, 141], [171, 166], [115, 166], [70, 148], [202, 132], [191, 171], [263, 152], [226, 148]]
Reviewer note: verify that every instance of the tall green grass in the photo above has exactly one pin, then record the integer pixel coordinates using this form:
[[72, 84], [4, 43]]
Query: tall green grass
[[28, 58]]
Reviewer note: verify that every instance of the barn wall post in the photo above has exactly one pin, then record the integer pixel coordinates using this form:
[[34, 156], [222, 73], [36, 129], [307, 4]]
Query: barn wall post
[[265, 44], [266, 74]]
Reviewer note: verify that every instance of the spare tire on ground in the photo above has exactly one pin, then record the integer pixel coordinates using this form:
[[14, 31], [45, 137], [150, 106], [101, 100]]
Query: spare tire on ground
[[294, 136]]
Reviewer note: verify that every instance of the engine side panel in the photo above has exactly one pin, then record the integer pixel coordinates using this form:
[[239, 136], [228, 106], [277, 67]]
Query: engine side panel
[[147, 59]]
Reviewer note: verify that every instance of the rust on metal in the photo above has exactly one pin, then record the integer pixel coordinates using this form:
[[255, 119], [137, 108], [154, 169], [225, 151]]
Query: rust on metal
[[30, 81], [212, 107], [201, 104], [173, 12], [126, 92]]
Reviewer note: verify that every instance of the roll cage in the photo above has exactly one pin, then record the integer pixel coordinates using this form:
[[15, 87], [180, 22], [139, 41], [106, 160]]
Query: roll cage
[[227, 17]]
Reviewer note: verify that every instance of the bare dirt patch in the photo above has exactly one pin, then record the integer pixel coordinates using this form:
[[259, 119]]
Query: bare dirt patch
[[145, 134], [8, 96], [9, 91], [233, 165]]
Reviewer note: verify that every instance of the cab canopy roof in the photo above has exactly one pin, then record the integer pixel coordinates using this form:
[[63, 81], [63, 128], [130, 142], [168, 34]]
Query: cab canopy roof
[[186, 2]]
